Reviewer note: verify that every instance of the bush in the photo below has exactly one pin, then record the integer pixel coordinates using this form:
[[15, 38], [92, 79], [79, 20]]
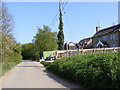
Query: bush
[[10, 62], [91, 70]]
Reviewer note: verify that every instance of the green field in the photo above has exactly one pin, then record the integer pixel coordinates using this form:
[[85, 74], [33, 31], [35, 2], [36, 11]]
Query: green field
[[98, 70]]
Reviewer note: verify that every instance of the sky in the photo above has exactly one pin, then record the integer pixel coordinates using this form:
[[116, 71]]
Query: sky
[[80, 18]]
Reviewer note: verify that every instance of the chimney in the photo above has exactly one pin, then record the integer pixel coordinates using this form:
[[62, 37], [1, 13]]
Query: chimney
[[97, 29]]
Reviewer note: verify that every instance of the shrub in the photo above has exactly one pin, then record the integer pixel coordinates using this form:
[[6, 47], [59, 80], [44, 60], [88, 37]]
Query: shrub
[[91, 70], [10, 62]]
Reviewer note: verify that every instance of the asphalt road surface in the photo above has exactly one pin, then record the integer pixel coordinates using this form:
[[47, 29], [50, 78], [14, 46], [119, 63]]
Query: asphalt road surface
[[31, 74]]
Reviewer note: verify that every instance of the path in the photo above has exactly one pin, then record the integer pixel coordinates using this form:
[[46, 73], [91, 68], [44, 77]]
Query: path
[[31, 74]]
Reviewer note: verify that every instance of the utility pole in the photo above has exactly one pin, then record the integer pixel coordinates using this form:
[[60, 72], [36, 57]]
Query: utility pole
[[60, 5]]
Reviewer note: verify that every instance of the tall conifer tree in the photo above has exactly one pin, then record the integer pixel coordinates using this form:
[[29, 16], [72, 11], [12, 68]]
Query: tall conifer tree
[[60, 33]]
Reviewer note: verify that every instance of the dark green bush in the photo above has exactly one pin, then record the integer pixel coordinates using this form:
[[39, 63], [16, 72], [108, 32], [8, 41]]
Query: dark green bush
[[92, 70]]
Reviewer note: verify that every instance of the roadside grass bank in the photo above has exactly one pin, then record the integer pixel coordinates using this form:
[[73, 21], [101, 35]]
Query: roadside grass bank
[[98, 70], [6, 66]]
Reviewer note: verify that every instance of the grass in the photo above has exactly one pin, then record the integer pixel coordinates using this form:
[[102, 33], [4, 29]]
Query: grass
[[9, 63], [8, 66], [5, 67]]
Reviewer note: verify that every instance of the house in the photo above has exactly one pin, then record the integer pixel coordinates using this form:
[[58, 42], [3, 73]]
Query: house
[[73, 46], [108, 37], [85, 43]]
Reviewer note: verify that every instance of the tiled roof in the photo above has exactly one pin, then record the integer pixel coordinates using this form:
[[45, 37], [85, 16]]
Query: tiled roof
[[107, 30], [85, 39]]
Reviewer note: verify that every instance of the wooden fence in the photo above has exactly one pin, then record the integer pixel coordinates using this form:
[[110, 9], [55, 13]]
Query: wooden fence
[[66, 53]]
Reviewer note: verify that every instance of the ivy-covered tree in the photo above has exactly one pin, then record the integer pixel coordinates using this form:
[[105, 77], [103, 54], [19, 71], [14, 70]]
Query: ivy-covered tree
[[60, 34]]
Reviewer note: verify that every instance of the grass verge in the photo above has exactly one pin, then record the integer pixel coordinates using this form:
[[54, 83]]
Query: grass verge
[[6, 66]]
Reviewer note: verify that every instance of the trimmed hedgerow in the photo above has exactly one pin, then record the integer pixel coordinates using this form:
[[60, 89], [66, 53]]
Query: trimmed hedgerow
[[91, 70]]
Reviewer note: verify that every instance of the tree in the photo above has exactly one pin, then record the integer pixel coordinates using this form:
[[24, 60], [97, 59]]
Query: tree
[[28, 51], [8, 43], [6, 18], [45, 40], [10, 51], [60, 34]]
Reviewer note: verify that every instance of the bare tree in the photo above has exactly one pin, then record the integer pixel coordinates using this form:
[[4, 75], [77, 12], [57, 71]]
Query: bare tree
[[6, 27], [7, 23]]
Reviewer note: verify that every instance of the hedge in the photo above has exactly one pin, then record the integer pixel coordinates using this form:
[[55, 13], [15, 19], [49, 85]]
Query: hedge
[[98, 70]]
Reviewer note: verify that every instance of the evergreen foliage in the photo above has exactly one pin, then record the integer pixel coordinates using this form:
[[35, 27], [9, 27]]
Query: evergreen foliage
[[60, 34], [91, 70]]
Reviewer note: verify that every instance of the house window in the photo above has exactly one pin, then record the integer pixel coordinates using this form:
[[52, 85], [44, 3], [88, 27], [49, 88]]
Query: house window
[[113, 36], [104, 38]]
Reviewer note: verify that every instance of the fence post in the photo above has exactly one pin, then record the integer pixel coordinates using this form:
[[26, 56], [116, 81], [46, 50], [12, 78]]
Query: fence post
[[78, 52], [93, 50], [114, 49], [104, 50], [69, 53]]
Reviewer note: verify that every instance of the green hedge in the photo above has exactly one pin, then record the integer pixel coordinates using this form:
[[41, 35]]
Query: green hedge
[[91, 70]]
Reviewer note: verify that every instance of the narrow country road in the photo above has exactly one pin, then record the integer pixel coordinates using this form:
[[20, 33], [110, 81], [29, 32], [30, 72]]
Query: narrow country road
[[31, 74]]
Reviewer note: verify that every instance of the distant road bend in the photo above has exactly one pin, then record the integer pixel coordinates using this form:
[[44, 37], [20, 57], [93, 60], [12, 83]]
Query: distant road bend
[[31, 74]]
